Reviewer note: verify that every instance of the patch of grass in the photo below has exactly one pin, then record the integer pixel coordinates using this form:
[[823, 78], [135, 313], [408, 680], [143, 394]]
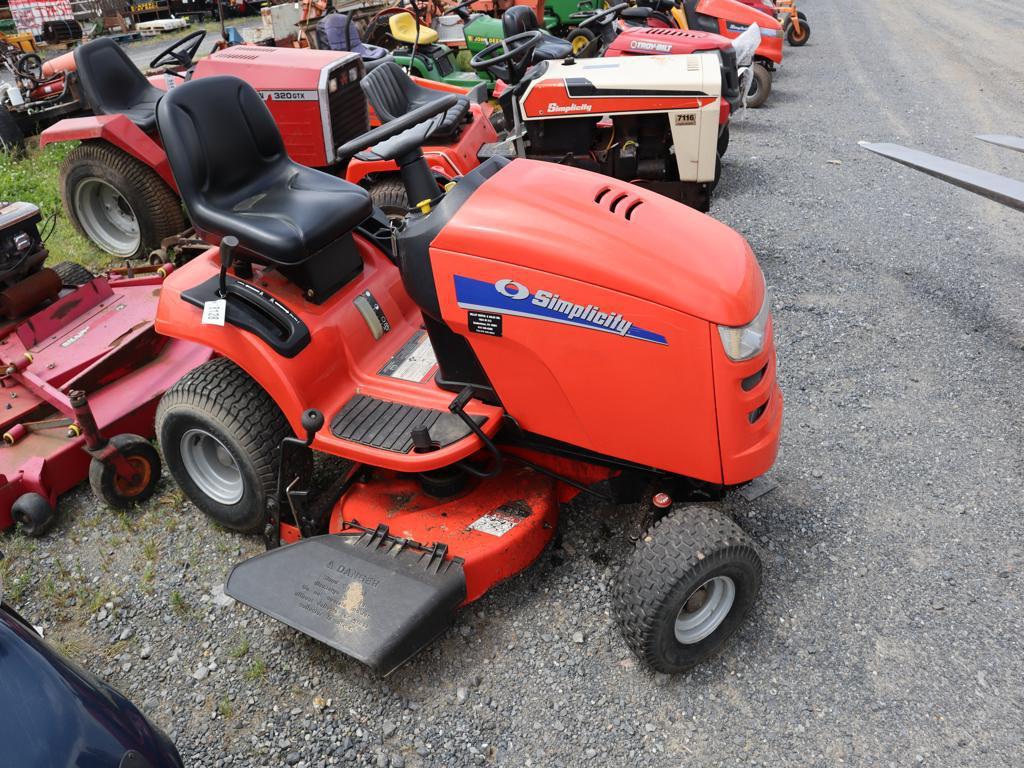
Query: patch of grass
[[225, 709], [179, 605], [99, 597], [35, 178], [150, 550], [15, 590], [240, 649], [148, 574], [257, 670]]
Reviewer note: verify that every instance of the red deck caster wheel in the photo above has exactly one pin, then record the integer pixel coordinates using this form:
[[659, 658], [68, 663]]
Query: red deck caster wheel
[[34, 514], [118, 489]]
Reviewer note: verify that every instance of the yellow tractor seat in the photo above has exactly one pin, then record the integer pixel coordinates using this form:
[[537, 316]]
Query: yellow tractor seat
[[403, 29]]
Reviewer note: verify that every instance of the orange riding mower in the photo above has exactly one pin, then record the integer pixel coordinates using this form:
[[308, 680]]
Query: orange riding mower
[[458, 381]]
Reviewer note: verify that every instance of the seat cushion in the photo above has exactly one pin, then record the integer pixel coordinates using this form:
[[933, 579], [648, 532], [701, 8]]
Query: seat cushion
[[236, 178], [291, 217], [403, 28], [551, 48]]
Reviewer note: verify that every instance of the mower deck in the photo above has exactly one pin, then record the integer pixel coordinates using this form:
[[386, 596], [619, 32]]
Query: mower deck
[[397, 564], [99, 339]]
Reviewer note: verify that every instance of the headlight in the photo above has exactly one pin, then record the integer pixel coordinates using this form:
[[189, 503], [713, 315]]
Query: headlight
[[748, 340], [765, 32]]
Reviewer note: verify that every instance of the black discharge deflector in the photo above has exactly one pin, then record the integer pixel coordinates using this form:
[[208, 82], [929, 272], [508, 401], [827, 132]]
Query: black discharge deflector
[[374, 597]]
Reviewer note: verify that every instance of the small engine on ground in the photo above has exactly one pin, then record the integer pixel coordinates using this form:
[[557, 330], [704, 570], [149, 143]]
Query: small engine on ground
[[24, 283]]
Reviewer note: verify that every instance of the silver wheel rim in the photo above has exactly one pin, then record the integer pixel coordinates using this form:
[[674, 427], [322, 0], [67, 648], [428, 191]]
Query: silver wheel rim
[[705, 609], [107, 217], [211, 467]]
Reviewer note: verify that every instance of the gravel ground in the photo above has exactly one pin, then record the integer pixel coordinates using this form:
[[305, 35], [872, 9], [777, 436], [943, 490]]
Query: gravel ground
[[889, 629]]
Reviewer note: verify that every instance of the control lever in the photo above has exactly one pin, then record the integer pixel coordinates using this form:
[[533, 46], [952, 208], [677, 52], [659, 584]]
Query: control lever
[[312, 422], [227, 255]]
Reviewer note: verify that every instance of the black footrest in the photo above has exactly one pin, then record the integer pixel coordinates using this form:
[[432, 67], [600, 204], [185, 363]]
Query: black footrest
[[372, 596], [386, 425]]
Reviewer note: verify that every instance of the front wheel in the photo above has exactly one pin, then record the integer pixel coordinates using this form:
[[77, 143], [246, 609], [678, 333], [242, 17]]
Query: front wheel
[[116, 201], [689, 584], [390, 196], [760, 86], [797, 39], [219, 432]]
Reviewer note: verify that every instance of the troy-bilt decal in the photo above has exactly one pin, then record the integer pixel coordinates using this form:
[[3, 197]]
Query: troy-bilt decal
[[646, 45], [289, 95], [510, 297]]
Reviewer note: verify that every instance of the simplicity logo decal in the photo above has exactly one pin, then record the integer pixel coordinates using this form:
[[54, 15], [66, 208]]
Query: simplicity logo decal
[[510, 297]]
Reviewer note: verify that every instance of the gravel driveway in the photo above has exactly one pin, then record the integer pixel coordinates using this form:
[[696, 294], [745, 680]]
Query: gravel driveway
[[890, 630]]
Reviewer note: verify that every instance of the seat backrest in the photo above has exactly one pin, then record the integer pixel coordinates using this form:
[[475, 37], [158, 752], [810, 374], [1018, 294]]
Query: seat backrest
[[110, 81], [518, 18], [336, 32], [221, 142], [387, 88]]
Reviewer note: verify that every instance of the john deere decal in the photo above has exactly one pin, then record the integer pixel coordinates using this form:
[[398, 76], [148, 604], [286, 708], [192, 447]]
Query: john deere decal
[[511, 297]]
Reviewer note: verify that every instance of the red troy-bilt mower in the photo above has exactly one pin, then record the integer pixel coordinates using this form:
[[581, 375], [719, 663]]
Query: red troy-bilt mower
[[473, 374], [729, 18], [116, 185], [81, 370]]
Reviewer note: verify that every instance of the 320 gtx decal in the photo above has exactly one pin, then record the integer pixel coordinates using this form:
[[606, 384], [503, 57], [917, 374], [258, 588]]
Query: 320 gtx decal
[[510, 297]]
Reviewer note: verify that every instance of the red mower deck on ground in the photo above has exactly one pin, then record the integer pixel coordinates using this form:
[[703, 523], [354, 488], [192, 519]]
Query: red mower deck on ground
[[98, 338]]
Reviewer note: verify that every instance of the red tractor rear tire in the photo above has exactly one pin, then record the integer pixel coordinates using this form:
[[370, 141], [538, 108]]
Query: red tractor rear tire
[[116, 201]]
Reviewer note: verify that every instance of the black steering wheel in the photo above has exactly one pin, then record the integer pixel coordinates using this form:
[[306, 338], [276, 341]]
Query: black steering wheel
[[511, 65], [181, 53], [392, 140], [460, 10], [30, 65], [601, 18]]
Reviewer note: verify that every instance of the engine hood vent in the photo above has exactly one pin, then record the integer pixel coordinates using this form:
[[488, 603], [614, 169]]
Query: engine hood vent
[[622, 203]]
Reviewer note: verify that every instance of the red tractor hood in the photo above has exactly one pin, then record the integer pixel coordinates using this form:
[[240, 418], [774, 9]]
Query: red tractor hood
[[609, 233], [667, 40]]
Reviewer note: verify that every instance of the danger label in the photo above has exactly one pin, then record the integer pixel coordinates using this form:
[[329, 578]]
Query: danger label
[[413, 362]]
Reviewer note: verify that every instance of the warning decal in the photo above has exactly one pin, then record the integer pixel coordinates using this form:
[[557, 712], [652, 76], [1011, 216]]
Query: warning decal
[[413, 362]]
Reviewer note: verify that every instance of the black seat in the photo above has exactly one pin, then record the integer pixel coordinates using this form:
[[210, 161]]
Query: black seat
[[521, 18], [392, 93], [236, 178], [113, 85]]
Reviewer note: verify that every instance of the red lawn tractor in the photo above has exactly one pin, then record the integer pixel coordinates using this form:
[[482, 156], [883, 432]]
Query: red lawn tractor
[[473, 373], [729, 18], [117, 186], [81, 370]]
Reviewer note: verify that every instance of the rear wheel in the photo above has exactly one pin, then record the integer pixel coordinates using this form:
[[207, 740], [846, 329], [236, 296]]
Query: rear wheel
[[11, 138], [220, 433], [689, 584], [72, 274], [760, 86], [389, 195], [116, 201], [797, 39]]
